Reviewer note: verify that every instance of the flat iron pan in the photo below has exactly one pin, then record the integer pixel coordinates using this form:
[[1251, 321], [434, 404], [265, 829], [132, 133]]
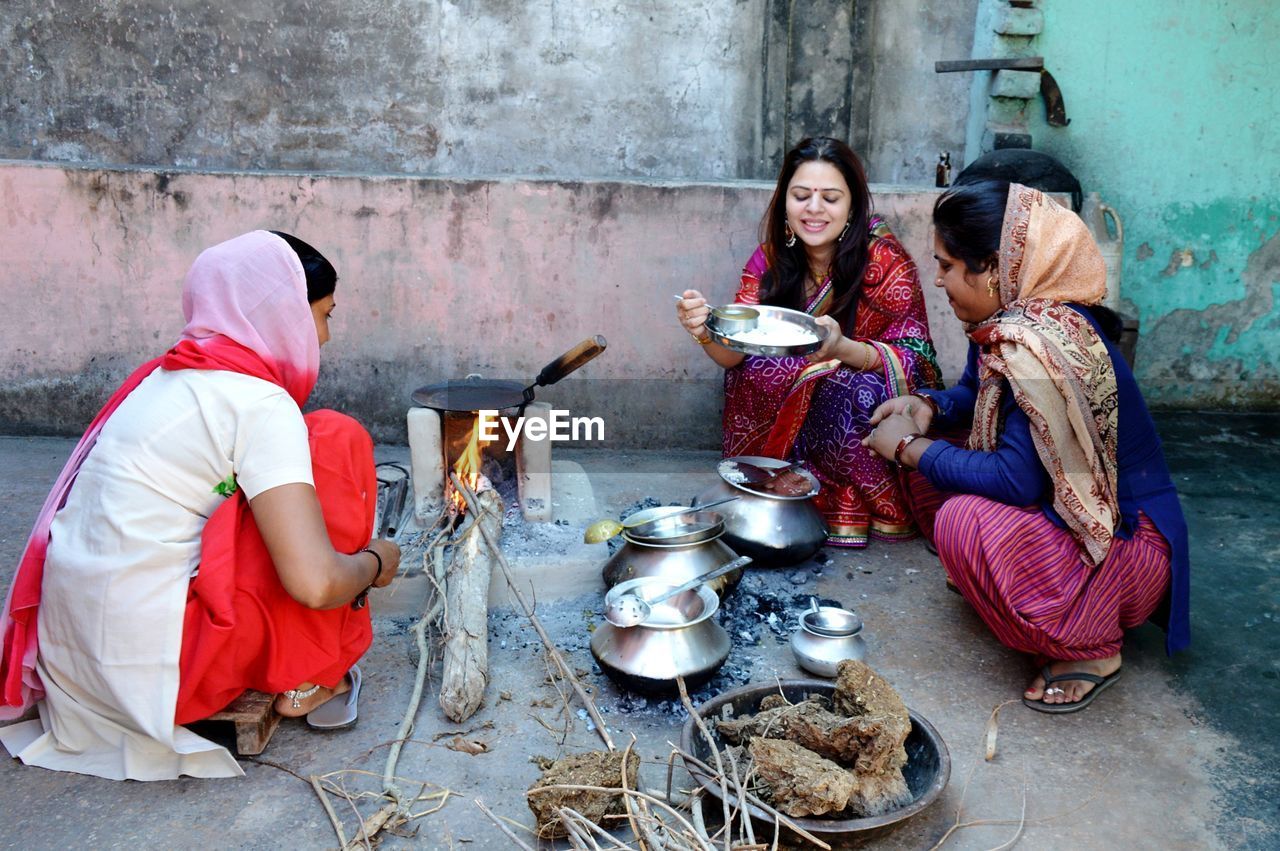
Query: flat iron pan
[[482, 394]]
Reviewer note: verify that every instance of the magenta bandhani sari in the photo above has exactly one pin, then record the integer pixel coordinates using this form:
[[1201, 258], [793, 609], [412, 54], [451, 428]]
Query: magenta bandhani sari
[[818, 413]]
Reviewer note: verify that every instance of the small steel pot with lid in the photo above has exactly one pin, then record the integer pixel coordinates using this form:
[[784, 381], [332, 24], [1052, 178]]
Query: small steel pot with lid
[[827, 636], [773, 528]]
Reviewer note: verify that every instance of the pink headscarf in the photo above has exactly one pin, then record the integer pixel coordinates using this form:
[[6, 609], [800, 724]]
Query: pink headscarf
[[245, 302], [252, 290]]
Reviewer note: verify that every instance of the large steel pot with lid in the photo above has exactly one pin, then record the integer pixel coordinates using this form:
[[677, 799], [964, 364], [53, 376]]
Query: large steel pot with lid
[[679, 549], [773, 528], [680, 639]]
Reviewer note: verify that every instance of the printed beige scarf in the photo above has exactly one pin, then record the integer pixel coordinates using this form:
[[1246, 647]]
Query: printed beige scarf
[[1061, 374]]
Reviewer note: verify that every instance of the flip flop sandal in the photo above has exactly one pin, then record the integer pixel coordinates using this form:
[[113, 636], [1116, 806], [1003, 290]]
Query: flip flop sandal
[[339, 711], [1099, 684]]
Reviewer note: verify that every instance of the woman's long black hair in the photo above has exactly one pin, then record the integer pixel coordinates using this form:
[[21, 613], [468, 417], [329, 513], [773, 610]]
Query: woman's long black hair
[[783, 283], [322, 278]]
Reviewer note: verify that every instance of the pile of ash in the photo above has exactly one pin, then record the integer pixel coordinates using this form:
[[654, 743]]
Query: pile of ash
[[520, 537]]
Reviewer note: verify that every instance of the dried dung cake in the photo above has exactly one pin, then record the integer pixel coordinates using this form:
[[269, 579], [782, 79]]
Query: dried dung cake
[[800, 782], [875, 794], [594, 768], [810, 725], [861, 731], [862, 693]]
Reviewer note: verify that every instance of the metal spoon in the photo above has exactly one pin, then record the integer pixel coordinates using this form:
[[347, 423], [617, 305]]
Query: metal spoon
[[629, 610], [754, 474], [602, 530], [676, 511]]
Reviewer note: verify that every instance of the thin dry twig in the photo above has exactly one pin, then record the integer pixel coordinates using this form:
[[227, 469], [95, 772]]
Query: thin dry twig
[[715, 752], [415, 699], [470, 497], [652, 799], [502, 827], [993, 725], [329, 811], [692, 761], [1022, 821]]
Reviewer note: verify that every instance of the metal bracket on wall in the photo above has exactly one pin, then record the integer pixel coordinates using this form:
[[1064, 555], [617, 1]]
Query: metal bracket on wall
[[1055, 108]]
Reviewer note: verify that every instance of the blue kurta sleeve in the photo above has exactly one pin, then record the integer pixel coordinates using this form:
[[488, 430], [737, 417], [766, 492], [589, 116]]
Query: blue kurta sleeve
[[1012, 474], [955, 405]]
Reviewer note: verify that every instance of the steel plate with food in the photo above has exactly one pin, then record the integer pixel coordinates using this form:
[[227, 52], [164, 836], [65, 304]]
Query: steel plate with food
[[778, 332]]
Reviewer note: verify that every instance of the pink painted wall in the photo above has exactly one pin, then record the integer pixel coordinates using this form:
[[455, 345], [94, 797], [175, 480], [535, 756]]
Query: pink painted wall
[[438, 278]]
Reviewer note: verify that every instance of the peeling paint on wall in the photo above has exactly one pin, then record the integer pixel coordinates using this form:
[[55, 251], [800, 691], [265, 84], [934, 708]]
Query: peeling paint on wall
[[1173, 124]]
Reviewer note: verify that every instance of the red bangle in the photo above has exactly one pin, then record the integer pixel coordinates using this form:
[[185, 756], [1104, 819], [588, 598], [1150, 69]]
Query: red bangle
[[928, 400], [903, 444]]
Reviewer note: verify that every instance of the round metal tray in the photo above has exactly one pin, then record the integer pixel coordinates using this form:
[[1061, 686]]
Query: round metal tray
[[768, 313], [724, 465], [927, 770]]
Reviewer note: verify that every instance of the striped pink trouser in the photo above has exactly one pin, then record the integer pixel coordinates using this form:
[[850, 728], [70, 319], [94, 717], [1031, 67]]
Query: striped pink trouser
[[1030, 584]]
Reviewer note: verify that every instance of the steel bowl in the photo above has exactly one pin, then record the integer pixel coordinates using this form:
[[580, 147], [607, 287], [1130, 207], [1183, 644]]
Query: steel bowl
[[773, 529], [768, 313], [680, 639], [689, 527], [927, 770], [735, 318]]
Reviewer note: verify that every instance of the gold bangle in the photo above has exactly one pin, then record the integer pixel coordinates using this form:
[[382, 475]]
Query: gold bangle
[[701, 342], [866, 358]]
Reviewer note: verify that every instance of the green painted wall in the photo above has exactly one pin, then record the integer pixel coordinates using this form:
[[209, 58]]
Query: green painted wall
[[1175, 121]]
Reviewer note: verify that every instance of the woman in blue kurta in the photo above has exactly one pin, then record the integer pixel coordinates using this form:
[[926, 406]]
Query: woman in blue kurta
[[1061, 524]]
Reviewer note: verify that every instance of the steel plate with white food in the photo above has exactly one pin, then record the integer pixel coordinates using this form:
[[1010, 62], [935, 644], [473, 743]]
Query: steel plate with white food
[[779, 332]]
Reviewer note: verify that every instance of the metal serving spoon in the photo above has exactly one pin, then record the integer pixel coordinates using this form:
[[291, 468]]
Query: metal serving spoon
[[629, 610], [602, 530], [754, 474]]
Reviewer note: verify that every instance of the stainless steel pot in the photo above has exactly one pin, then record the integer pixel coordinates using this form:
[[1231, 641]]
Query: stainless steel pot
[[680, 638], [773, 529], [692, 555], [826, 637]]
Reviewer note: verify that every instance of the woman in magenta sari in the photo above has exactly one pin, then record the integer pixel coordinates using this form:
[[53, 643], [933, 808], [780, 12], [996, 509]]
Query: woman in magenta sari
[[824, 252]]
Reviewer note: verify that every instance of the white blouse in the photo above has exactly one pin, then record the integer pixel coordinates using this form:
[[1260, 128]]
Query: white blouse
[[121, 554]]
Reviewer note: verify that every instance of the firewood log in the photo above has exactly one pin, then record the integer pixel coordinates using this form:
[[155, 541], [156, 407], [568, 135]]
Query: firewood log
[[466, 648]]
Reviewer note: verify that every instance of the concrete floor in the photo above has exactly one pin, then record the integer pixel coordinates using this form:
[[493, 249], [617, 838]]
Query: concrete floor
[[1182, 753]]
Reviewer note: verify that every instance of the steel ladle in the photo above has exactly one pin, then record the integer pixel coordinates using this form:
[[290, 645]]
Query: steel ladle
[[630, 610], [602, 530]]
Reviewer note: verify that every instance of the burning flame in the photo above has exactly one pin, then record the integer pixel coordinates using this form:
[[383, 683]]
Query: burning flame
[[468, 467]]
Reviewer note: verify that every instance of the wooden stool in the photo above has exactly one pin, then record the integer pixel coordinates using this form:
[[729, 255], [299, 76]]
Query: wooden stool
[[255, 717]]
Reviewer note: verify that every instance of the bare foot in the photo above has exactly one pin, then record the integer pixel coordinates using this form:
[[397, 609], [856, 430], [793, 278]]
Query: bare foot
[[1071, 690], [284, 704]]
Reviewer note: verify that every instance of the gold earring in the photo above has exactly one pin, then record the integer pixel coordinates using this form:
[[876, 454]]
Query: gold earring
[[791, 236], [991, 285]]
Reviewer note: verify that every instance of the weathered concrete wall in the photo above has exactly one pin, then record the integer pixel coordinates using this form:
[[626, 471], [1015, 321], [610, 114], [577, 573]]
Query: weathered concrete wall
[[439, 278], [695, 89], [1173, 108], [915, 113]]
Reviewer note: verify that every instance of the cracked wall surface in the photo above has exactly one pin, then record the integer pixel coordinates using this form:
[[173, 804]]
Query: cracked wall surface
[[439, 278], [692, 89], [1173, 113]]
